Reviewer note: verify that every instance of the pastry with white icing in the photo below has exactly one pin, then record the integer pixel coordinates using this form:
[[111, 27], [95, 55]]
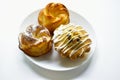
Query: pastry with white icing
[[71, 41]]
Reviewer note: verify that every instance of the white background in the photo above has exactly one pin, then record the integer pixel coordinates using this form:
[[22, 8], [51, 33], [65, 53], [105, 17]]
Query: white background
[[104, 15]]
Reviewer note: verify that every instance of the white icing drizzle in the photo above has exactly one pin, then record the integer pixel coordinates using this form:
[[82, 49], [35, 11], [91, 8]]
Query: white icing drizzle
[[75, 50], [66, 49], [59, 30], [61, 33]]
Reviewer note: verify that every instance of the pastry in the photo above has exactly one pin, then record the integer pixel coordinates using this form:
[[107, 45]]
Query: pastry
[[71, 41], [35, 41], [53, 15]]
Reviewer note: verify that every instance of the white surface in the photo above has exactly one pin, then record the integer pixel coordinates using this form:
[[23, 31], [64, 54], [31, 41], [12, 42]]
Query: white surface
[[52, 61], [104, 15]]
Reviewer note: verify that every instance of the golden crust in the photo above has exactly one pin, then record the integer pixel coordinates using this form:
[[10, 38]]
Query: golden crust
[[35, 41], [53, 15], [71, 41]]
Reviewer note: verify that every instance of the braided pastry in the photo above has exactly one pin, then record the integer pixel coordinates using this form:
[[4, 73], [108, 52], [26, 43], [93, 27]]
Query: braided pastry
[[71, 41], [35, 41], [53, 15]]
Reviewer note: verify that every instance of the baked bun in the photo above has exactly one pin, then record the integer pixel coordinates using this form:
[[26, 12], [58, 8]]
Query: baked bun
[[53, 15], [35, 41], [71, 41]]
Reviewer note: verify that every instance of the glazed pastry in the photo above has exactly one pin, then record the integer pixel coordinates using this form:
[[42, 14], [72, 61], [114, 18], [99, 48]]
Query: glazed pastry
[[53, 15], [71, 41], [35, 41]]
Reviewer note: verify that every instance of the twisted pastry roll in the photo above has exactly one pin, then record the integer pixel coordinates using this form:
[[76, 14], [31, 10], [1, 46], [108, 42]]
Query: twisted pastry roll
[[53, 15], [71, 41], [35, 41]]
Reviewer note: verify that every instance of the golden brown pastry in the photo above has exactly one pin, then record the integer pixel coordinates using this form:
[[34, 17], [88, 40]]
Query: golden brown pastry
[[71, 41], [53, 15], [35, 41]]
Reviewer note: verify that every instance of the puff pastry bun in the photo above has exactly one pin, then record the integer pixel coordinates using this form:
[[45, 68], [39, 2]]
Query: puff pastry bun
[[71, 41], [35, 41], [53, 15]]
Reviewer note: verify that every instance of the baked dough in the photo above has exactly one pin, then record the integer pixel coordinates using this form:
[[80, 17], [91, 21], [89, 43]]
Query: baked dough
[[71, 41], [35, 41], [53, 15]]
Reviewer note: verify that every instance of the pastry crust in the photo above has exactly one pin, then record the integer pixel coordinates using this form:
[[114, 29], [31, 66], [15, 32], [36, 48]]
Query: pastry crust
[[35, 41], [53, 15], [71, 41]]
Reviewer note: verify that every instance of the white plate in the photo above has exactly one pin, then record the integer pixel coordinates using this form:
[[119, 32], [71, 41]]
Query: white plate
[[52, 60]]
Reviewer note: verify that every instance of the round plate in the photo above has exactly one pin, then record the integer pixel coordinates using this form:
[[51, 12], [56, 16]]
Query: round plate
[[52, 60]]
